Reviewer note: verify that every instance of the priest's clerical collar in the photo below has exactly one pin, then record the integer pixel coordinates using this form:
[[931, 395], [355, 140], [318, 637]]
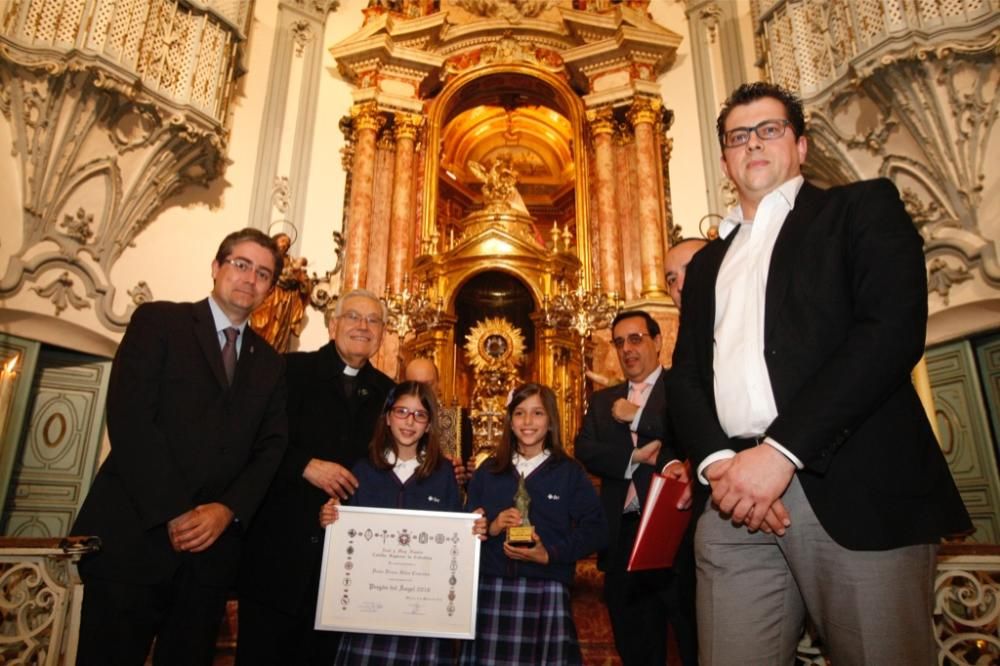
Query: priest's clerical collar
[[353, 372]]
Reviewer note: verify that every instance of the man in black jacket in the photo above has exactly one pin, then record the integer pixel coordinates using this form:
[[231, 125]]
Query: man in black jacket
[[335, 396], [791, 390], [196, 419], [623, 441]]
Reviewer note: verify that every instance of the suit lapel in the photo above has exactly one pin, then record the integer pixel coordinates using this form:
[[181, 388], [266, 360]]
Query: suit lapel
[[208, 340], [787, 247]]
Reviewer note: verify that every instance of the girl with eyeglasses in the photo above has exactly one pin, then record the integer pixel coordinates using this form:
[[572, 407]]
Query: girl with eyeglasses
[[524, 614], [404, 470]]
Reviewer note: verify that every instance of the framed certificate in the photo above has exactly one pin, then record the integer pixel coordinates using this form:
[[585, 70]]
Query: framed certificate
[[396, 571]]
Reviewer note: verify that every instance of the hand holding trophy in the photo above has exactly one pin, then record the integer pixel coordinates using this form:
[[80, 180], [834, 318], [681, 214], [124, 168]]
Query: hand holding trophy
[[521, 535]]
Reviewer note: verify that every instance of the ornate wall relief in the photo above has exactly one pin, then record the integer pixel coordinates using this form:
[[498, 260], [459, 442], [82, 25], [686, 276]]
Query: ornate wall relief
[[111, 114]]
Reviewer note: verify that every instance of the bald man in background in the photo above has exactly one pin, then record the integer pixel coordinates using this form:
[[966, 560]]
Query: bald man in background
[[423, 370]]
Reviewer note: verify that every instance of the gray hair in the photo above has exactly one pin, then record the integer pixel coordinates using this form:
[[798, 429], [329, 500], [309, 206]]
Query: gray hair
[[364, 293]]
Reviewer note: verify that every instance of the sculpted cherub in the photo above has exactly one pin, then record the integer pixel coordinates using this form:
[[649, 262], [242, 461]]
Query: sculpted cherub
[[499, 185]]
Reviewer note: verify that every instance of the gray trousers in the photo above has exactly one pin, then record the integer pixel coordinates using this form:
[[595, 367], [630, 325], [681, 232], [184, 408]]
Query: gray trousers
[[754, 591]]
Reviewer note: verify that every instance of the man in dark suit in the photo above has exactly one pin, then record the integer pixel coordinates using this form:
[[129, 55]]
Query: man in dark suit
[[616, 443], [791, 390], [335, 396], [196, 420]]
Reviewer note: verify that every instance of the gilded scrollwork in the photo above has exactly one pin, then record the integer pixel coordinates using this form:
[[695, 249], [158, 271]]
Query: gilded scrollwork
[[512, 10]]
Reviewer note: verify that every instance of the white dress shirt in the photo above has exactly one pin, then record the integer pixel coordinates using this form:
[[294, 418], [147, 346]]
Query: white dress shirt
[[403, 469], [744, 398]]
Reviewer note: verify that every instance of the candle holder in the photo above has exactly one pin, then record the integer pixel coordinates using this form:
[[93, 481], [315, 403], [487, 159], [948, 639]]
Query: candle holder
[[412, 311]]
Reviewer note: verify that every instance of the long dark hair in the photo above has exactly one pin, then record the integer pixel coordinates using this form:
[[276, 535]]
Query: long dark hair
[[428, 448], [504, 454]]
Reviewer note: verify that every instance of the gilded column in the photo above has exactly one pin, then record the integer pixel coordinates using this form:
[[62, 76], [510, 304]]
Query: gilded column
[[644, 115], [366, 125], [602, 125], [400, 225]]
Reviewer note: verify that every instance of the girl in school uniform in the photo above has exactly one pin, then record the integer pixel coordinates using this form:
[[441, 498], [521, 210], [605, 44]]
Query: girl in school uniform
[[524, 614], [404, 470]]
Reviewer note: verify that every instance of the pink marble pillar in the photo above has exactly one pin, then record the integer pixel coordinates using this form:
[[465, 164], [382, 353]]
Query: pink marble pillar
[[366, 125], [644, 116], [609, 250], [401, 222]]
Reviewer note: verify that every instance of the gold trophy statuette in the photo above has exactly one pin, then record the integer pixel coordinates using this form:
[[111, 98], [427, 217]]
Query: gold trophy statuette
[[521, 535]]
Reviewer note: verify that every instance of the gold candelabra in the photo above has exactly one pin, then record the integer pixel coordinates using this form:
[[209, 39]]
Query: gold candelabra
[[411, 311], [580, 310]]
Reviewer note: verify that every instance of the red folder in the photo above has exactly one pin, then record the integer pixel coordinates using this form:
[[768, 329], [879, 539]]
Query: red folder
[[662, 526]]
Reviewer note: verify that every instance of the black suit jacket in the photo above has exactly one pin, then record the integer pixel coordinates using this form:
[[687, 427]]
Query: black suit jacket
[[604, 446], [180, 437], [281, 561], [844, 324]]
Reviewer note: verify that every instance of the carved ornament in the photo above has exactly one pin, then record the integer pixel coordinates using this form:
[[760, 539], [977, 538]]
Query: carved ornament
[[512, 10]]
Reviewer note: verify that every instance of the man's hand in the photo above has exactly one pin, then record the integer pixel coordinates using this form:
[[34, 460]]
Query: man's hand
[[198, 529], [624, 411], [680, 471], [748, 487], [335, 480], [462, 475], [647, 453]]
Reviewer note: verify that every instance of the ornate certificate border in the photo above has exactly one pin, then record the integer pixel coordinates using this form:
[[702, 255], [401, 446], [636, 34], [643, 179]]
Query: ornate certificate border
[[397, 571]]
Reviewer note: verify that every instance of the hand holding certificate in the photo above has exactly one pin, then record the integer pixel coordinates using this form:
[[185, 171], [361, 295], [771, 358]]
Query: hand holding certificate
[[403, 572]]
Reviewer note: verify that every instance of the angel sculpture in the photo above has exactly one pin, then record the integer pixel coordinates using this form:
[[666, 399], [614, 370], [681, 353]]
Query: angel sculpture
[[499, 186]]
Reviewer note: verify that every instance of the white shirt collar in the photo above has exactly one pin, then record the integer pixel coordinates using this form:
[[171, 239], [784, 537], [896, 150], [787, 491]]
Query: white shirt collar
[[222, 322], [788, 191], [651, 378], [403, 469], [526, 466]]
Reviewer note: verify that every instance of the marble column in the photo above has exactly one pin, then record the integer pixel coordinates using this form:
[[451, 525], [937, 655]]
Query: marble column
[[644, 116], [401, 223], [602, 126], [367, 122]]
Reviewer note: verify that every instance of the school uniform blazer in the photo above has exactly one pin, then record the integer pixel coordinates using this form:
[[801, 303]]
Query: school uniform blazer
[[605, 446], [180, 437], [381, 488], [564, 511], [284, 547], [844, 323]]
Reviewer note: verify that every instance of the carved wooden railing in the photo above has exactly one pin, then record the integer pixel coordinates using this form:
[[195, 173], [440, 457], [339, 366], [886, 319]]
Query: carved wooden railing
[[40, 597], [967, 604]]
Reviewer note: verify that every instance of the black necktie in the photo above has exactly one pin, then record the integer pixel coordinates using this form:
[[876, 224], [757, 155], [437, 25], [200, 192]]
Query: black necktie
[[229, 352]]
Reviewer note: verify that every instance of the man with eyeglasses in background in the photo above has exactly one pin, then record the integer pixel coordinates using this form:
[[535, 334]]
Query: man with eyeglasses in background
[[196, 422], [623, 440], [335, 397], [790, 389]]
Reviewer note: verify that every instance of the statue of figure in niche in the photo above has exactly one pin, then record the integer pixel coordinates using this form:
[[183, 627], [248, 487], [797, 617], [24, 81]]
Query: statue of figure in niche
[[499, 186], [282, 313]]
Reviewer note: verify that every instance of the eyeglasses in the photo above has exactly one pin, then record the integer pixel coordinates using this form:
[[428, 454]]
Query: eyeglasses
[[767, 130], [244, 266], [634, 339], [355, 318], [403, 413]]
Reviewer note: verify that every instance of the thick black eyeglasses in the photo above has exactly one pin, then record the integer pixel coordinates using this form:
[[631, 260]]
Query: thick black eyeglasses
[[633, 339], [403, 413], [243, 266], [767, 130]]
